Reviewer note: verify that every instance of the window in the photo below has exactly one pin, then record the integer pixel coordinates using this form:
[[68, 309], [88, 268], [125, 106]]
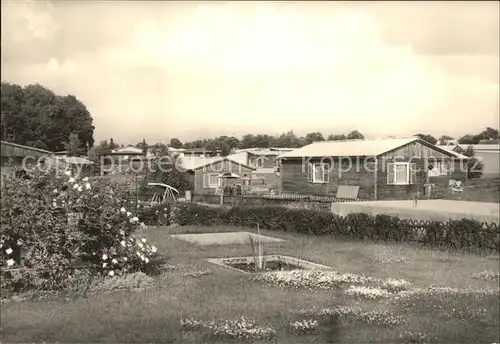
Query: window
[[401, 173], [318, 173], [439, 168], [211, 180], [260, 162]]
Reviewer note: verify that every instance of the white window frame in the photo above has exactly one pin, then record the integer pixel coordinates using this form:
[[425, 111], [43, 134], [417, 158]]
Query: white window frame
[[206, 181], [325, 169], [394, 168], [442, 170]]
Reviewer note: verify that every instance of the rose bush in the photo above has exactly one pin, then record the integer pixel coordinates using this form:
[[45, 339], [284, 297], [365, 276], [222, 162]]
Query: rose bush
[[54, 221]]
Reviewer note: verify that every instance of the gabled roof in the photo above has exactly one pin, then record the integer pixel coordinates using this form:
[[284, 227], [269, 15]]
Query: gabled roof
[[264, 151], [450, 149], [28, 148], [193, 163], [350, 148], [131, 150]]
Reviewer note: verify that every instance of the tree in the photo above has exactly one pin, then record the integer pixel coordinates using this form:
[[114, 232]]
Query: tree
[[35, 116], [469, 139], [73, 145], [175, 143], [144, 147], [355, 135], [112, 144], [489, 134], [337, 137], [426, 137], [161, 149], [474, 165], [314, 137], [444, 139], [225, 149], [171, 175]]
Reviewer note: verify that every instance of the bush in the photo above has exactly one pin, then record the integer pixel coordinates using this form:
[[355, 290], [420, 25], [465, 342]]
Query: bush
[[155, 215], [54, 222], [462, 234]]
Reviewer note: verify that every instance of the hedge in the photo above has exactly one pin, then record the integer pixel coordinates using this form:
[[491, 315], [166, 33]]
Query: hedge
[[460, 234]]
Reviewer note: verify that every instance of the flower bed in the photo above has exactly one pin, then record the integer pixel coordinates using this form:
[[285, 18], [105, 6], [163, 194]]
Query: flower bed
[[231, 329], [272, 263], [313, 279]]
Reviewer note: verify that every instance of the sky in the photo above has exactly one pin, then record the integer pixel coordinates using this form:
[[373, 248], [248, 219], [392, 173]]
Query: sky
[[202, 69]]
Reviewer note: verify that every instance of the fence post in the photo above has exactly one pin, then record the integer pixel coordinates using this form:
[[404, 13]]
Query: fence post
[[136, 193]]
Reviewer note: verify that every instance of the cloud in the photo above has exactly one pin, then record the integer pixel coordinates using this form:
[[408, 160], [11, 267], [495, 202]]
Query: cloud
[[180, 69], [440, 27]]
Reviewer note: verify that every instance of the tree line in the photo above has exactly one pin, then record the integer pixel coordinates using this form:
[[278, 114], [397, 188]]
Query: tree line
[[35, 116]]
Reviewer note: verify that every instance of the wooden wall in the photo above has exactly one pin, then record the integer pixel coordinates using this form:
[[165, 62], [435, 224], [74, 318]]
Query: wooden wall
[[219, 167]]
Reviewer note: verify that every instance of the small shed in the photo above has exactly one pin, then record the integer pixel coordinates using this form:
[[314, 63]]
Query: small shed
[[16, 157], [204, 172]]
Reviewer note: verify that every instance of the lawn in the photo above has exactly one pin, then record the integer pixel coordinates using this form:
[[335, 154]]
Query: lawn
[[153, 315]]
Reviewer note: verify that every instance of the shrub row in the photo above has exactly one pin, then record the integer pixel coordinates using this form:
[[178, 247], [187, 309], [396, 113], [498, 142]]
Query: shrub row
[[461, 234]]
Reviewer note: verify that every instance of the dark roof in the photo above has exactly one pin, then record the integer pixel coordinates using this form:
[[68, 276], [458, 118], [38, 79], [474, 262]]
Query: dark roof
[[6, 145]]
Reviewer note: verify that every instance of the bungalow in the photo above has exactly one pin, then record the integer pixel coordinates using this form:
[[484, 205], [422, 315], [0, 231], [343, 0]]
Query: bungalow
[[266, 164], [376, 169], [264, 159], [204, 172]]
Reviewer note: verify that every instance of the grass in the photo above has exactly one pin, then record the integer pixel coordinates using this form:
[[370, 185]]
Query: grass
[[154, 315]]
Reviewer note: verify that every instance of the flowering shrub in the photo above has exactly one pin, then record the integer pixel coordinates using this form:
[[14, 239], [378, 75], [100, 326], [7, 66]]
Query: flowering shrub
[[389, 259], [306, 326], [367, 292], [54, 220], [129, 281], [410, 337], [231, 329], [394, 285], [436, 291], [312, 279], [383, 318], [371, 317], [196, 273], [487, 275], [340, 311]]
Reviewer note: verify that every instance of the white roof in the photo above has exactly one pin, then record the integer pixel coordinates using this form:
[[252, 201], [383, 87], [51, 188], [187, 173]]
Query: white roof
[[348, 148], [482, 147], [194, 162], [74, 160], [264, 151], [131, 150], [366, 147]]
